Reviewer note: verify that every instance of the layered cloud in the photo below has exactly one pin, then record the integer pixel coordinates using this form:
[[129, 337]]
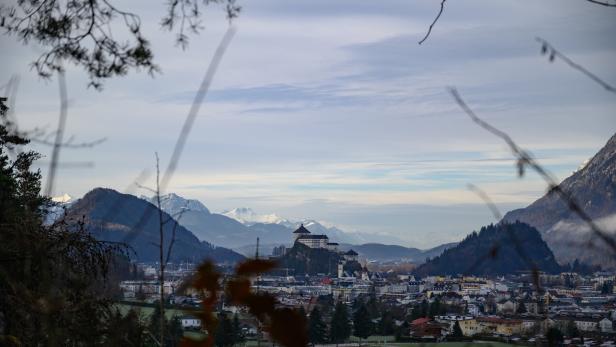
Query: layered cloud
[[332, 110]]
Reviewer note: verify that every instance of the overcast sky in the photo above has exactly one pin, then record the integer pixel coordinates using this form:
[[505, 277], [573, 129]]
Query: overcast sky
[[331, 110]]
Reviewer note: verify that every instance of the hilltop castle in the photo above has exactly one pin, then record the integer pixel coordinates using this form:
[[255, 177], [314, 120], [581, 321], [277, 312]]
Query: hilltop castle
[[304, 236]]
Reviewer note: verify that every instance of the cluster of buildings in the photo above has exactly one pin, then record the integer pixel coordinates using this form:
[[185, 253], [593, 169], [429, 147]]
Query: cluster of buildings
[[509, 307]]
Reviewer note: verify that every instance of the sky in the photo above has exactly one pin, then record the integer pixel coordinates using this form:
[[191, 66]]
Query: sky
[[331, 110]]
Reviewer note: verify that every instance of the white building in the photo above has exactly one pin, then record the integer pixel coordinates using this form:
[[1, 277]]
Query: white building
[[190, 322], [303, 236]]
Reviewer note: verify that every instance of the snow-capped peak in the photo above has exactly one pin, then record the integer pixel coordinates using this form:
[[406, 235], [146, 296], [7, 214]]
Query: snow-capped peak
[[174, 204], [62, 199], [248, 216]]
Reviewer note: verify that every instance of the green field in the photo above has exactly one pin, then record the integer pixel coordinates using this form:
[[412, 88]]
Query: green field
[[372, 342], [253, 343], [443, 344]]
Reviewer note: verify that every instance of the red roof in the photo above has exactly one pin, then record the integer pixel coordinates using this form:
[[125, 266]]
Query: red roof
[[420, 321]]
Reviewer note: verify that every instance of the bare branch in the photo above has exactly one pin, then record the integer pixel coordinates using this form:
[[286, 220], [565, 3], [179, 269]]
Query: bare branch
[[196, 105], [175, 226], [140, 186], [603, 3], [55, 154], [434, 22], [514, 240], [525, 159], [486, 199], [547, 48], [70, 144], [184, 16], [79, 31]]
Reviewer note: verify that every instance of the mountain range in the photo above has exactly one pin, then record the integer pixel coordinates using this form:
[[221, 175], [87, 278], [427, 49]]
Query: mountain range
[[382, 253], [240, 227], [116, 217], [593, 187]]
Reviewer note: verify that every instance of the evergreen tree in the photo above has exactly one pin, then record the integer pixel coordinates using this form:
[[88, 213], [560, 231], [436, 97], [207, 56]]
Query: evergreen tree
[[362, 326], [402, 331], [607, 287], [154, 325], [340, 325], [125, 330], [435, 307], [572, 330], [457, 331], [140, 295], [386, 324], [424, 308], [238, 334], [373, 307], [53, 278], [554, 337], [175, 332], [521, 308], [317, 330], [224, 332]]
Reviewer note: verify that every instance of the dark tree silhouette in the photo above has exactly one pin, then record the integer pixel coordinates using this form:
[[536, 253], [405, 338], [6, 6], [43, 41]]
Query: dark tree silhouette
[[53, 278], [317, 330], [224, 333], [457, 331], [340, 329], [79, 32], [362, 325]]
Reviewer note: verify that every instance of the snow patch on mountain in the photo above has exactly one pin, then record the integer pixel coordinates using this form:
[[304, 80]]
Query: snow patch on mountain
[[248, 216], [173, 204]]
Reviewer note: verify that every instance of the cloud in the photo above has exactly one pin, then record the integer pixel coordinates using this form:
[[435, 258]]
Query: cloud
[[332, 111]]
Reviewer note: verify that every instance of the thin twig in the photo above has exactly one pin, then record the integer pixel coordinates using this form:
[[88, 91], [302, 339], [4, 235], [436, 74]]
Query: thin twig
[[55, 154], [70, 144], [434, 22], [607, 4], [196, 105], [161, 247], [175, 226], [546, 47], [188, 123], [514, 240], [526, 159], [486, 199]]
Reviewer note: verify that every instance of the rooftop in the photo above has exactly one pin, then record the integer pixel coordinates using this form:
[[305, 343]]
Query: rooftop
[[301, 230], [312, 237]]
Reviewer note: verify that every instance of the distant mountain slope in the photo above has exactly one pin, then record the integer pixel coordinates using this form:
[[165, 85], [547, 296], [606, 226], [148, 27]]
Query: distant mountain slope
[[240, 227], [381, 252], [174, 204], [246, 215], [113, 216], [594, 188], [472, 255]]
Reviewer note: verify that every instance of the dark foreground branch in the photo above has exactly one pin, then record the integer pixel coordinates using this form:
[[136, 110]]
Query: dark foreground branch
[[434, 22], [547, 48], [525, 159]]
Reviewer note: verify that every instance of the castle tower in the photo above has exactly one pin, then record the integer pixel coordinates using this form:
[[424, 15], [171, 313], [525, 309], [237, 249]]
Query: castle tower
[[301, 231]]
